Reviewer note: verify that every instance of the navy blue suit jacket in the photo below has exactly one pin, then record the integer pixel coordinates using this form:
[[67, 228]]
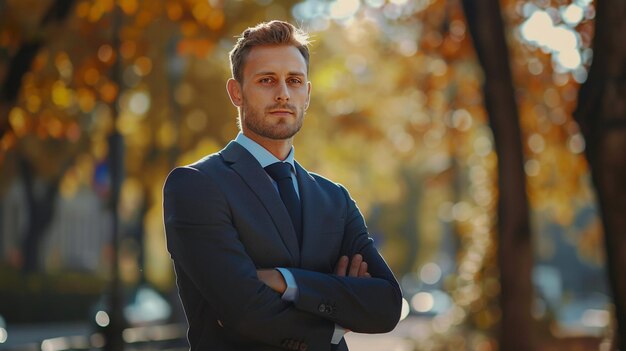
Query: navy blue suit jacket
[[224, 220]]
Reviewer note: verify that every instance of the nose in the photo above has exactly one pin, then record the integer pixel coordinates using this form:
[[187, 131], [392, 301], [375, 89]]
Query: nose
[[282, 94]]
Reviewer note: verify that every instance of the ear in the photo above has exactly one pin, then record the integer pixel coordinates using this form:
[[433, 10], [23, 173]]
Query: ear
[[234, 92], [308, 95]]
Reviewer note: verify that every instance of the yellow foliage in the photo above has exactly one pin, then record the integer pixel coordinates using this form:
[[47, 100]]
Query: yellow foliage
[[396, 115]]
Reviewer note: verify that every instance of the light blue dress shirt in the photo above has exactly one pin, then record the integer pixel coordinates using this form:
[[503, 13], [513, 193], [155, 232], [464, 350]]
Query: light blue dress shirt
[[265, 158]]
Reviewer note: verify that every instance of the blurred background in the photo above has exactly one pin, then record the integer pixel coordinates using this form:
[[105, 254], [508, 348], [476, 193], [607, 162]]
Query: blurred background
[[492, 206]]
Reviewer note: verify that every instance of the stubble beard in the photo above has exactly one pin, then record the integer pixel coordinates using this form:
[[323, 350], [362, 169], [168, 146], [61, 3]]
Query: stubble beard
[[255, 121]]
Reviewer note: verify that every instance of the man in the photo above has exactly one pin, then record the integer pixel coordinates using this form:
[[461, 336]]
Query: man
[[267, 255]]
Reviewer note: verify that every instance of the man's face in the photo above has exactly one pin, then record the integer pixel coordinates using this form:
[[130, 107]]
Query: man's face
[[274, 94]]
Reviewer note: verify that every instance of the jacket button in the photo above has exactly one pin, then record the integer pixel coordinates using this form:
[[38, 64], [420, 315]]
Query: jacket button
[[329, 309], [321, 308]]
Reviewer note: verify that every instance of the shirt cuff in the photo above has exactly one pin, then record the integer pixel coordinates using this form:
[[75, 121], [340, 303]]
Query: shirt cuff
[[291, 292], [338, 334]]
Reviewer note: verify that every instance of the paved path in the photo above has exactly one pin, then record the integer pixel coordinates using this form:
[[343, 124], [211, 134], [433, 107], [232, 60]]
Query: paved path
[[399, 339], [29, 337]]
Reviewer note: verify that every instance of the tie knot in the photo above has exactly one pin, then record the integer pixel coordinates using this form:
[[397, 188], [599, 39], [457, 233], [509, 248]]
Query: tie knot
[[279, 170]]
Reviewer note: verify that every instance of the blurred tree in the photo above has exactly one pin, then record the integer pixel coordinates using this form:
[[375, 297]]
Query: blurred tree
[[601, 114], [22, 60], [117, 323], [40, 203], [515, 251]]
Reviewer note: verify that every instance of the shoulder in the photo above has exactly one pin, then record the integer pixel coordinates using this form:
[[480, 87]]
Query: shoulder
[[194, 186], [329, 185], [325, 182], [203, 166], [197, 172], [208, 164], [322, 181]]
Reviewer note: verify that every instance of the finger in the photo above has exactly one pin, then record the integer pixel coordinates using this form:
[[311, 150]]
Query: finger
[[355, 264], [363, 269], [367, 275], [342, 266]]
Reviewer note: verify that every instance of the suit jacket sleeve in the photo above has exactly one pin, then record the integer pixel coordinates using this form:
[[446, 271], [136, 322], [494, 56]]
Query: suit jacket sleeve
[[204, 244], [366, 305]]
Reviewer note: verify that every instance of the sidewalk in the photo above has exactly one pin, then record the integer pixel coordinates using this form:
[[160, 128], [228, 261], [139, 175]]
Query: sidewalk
[[399, 339], [30, 337], [82, 336]]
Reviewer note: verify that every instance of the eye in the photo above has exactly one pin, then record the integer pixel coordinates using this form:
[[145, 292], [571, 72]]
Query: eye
[[294, 81], [266, 80]]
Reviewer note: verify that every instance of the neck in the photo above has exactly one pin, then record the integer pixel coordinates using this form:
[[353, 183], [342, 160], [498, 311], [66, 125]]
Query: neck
[[280, 148]]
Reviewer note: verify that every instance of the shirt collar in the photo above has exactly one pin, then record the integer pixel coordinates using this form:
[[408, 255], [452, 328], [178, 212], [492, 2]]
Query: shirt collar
[[264, 157]]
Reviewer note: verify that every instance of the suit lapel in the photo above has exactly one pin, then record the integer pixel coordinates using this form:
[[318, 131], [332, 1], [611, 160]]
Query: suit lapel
[[257, 180], [310, 196]]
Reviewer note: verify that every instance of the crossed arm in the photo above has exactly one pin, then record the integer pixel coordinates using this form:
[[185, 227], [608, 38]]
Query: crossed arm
[[357, 268], [345, 267]]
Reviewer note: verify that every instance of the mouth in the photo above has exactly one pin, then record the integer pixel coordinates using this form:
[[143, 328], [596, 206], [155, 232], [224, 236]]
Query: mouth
[[280, 112]]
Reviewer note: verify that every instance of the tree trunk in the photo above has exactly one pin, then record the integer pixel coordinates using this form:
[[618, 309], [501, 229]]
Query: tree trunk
[[40, 211], [515, 252], [41, 208], [113, 332], [601, 114]]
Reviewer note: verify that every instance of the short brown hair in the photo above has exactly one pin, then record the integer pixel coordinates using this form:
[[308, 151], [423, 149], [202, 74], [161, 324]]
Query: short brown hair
[[267, 33]]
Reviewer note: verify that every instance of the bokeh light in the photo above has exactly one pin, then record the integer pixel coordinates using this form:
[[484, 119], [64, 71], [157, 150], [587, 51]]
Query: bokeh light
[[102, 319], [561, 40]]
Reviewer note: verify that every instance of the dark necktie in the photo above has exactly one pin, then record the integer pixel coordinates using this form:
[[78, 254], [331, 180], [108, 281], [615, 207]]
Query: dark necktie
[[281, 173]]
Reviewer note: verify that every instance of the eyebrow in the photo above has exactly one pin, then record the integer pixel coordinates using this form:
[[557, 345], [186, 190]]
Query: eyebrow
[[270, 73]]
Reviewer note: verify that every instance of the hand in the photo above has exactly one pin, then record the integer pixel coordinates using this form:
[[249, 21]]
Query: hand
[[357, 267], [273, 279]]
